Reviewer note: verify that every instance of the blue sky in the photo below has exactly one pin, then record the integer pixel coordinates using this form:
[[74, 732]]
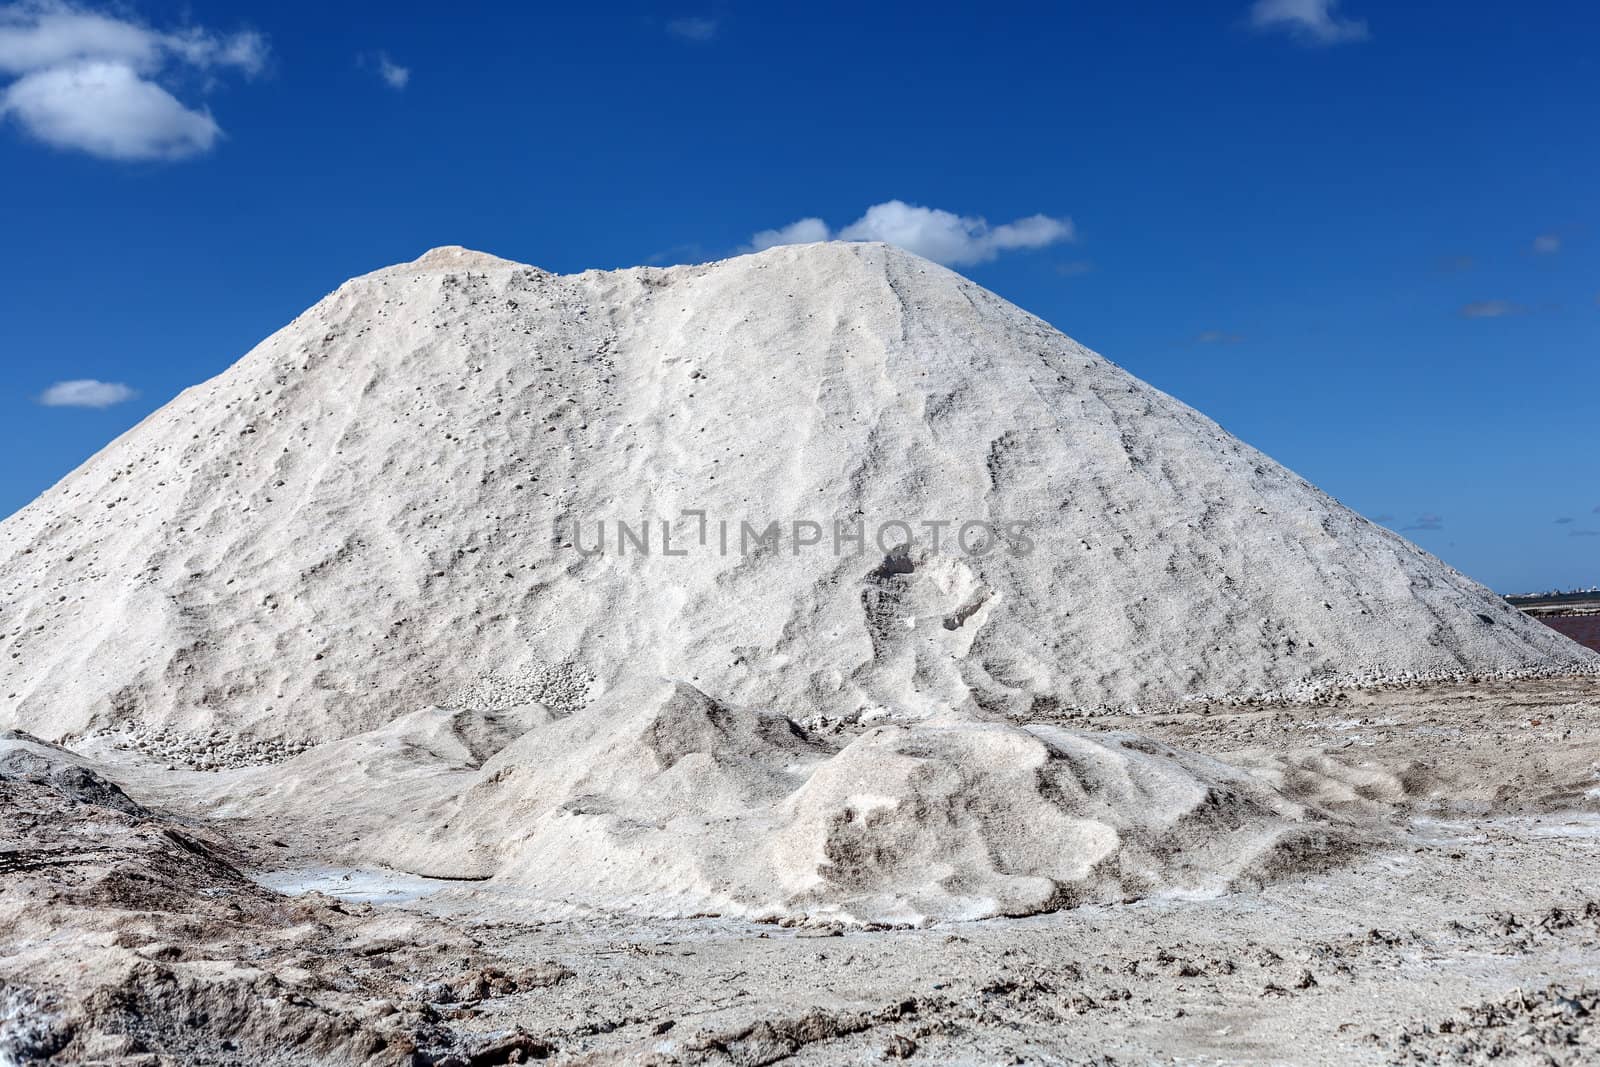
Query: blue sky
[[1361, 236]]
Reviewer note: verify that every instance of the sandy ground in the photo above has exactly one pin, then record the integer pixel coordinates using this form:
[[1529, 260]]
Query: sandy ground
[[1467, 930]]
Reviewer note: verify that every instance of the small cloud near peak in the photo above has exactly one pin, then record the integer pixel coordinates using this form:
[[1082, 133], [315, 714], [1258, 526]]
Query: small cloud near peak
[[942, 236], [799, 232]]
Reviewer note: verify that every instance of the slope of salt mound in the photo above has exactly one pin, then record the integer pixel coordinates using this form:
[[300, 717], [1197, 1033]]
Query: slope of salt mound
[[375, 510], [662, 801], [343, 792]]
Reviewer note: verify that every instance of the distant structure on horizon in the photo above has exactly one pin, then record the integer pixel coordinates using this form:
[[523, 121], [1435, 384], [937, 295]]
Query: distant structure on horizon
[[1574, 613]]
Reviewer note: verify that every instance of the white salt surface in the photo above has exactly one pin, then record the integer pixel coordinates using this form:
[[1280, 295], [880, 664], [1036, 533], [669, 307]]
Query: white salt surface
[[360, 885]]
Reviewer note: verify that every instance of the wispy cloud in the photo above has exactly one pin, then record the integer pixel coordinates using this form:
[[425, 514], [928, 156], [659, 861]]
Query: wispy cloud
[[393, 74], [86, 393], [1564, 520], [697, 29], [1456, 264], [1546, 244], [1490, 309], [1217, 337], [1075, 268], [1425, 522], [91, 82], [1583, 533], [1314, 22], [941, 236]]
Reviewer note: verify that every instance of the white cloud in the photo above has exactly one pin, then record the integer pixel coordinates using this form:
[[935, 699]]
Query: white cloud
[[39, 34], [85, 393], [88, 81], [693, 29], [1311, 21], [36, 36], [941, 236], [107, 110], [245, 52], [393, 74], [948, 238], [803, 232], [1547, 244]]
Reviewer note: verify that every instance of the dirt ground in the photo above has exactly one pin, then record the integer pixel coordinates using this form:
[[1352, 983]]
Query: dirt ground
[[134, 931]]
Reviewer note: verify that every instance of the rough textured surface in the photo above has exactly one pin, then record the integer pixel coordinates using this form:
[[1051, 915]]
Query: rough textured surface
[[359, 518], [662, 801], [134, 940], [657, 800]]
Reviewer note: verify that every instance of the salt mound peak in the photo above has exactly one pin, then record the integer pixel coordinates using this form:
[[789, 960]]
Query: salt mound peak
[[455, 257], [393, 502]]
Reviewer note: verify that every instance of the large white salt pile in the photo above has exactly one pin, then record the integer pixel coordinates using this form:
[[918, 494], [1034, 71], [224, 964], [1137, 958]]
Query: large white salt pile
[[360, 517], [374, 512], [488, 542]]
